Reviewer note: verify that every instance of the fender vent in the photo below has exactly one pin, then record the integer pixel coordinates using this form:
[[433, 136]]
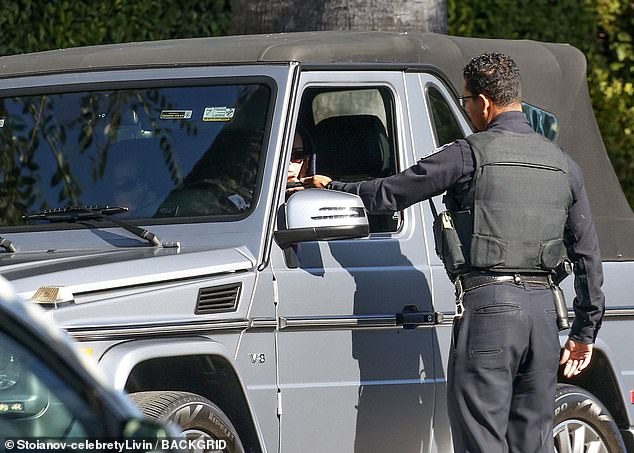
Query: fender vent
[[218, 299]]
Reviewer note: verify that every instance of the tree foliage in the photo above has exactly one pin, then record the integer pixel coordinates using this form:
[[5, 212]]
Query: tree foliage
[[602, 29], [33, 25]]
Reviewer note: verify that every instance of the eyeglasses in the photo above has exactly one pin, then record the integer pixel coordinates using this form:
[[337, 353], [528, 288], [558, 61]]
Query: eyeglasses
[[462, 99]]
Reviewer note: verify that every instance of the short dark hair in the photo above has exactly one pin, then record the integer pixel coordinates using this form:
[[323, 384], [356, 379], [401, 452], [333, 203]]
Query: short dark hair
[[496, 76]]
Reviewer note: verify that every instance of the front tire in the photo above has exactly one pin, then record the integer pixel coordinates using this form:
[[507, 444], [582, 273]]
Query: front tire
[[198, 418], [583, 424]]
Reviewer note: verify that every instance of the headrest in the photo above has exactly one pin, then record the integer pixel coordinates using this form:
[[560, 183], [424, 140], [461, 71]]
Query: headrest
[[352, 147]]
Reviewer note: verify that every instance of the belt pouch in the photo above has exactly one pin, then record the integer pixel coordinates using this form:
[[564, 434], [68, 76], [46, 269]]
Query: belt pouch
[[447, 242]]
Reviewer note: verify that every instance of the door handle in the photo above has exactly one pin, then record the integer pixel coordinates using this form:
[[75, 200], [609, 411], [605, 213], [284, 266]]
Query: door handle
[[411, 317]]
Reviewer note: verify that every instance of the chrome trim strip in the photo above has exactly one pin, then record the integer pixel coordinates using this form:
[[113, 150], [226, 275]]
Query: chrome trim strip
[[447, 318], [127, 331], [337, 322], [124, 331], [263, 323], [616, 313]]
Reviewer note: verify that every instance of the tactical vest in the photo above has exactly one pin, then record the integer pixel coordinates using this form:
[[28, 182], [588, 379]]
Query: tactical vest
[[512, 217]]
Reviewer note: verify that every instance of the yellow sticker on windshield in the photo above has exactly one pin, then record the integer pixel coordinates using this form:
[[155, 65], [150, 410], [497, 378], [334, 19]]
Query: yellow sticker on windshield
[[218, 113]]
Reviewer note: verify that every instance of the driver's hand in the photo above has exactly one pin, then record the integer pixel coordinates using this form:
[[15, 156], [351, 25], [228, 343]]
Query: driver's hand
[[294, 186], [316, 181]]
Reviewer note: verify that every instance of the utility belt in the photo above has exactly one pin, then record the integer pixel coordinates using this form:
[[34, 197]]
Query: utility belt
[[478, 279], [449, 249]]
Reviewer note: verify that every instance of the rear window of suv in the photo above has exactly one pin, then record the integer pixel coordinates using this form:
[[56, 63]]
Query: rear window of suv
[[156, 152]]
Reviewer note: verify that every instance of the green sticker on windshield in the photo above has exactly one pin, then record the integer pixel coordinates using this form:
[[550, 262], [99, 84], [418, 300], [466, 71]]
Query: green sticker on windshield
[[218, 113]]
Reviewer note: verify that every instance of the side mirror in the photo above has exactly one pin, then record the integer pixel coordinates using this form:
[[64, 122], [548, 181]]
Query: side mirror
[[322, 215]]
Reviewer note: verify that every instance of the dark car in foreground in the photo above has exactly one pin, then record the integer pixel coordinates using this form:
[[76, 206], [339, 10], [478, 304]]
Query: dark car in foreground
[[50, 397]]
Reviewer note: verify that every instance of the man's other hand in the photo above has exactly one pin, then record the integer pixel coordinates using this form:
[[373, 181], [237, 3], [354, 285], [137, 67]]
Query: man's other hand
[[576, 356]]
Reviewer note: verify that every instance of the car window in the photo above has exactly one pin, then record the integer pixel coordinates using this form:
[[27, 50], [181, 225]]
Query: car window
[[158, 152], [353, 137], [35, 401], [447, 129], [444, 124], [542, 121]]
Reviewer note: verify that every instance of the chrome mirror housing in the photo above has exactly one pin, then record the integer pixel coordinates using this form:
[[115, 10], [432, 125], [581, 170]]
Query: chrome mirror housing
[[322, 215]]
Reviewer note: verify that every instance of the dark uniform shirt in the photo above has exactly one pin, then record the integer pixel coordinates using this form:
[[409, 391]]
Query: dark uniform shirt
[[451, 169]]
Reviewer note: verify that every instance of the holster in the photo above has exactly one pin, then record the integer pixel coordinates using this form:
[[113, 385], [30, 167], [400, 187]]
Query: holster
[[447, 242], [558, 274]]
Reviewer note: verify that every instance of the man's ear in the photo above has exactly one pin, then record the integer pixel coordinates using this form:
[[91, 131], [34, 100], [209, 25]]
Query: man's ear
[[489, 110], [486, 104]]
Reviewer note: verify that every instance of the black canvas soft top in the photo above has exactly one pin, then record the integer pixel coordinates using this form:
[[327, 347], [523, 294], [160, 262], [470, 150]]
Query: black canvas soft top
[[553, 78]]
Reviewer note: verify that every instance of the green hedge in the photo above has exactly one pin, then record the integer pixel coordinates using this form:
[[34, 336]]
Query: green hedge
[[32, 25], [602, 29]]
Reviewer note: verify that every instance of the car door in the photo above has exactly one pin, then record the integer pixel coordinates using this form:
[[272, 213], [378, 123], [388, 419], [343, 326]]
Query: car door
[[350, 379]]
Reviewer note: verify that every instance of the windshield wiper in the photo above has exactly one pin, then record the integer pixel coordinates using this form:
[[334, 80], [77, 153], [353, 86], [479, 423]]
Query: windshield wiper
[[73, 213], [78, 213]]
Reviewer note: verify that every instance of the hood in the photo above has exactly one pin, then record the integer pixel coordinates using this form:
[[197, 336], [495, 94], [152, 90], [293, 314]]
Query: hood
[[85, 272]]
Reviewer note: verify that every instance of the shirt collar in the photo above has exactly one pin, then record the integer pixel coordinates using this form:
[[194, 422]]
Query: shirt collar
[[511, 121]]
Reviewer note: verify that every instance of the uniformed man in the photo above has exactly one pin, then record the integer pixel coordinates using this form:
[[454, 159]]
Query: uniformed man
[[519, 206]]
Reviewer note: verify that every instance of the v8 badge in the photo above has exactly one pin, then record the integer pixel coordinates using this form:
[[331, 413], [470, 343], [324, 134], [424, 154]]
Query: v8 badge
[[257, 357]]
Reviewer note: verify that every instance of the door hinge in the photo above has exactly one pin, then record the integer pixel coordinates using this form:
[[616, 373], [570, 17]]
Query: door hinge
[[276, 294], [279, 403]]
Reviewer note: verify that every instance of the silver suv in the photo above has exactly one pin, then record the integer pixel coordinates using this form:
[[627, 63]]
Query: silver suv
[[145, 203]]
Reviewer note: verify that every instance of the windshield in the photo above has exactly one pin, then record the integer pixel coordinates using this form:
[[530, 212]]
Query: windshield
[[182, 151]]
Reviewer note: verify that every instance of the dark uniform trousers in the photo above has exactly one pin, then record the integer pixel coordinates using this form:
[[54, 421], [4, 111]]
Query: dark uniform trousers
[[502, 371]]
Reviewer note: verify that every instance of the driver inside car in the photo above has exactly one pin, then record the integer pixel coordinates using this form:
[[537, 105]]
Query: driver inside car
[[300, 165]]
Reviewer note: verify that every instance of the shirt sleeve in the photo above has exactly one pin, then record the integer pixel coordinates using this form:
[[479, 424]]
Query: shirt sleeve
[[582, 244], [430, 176]]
